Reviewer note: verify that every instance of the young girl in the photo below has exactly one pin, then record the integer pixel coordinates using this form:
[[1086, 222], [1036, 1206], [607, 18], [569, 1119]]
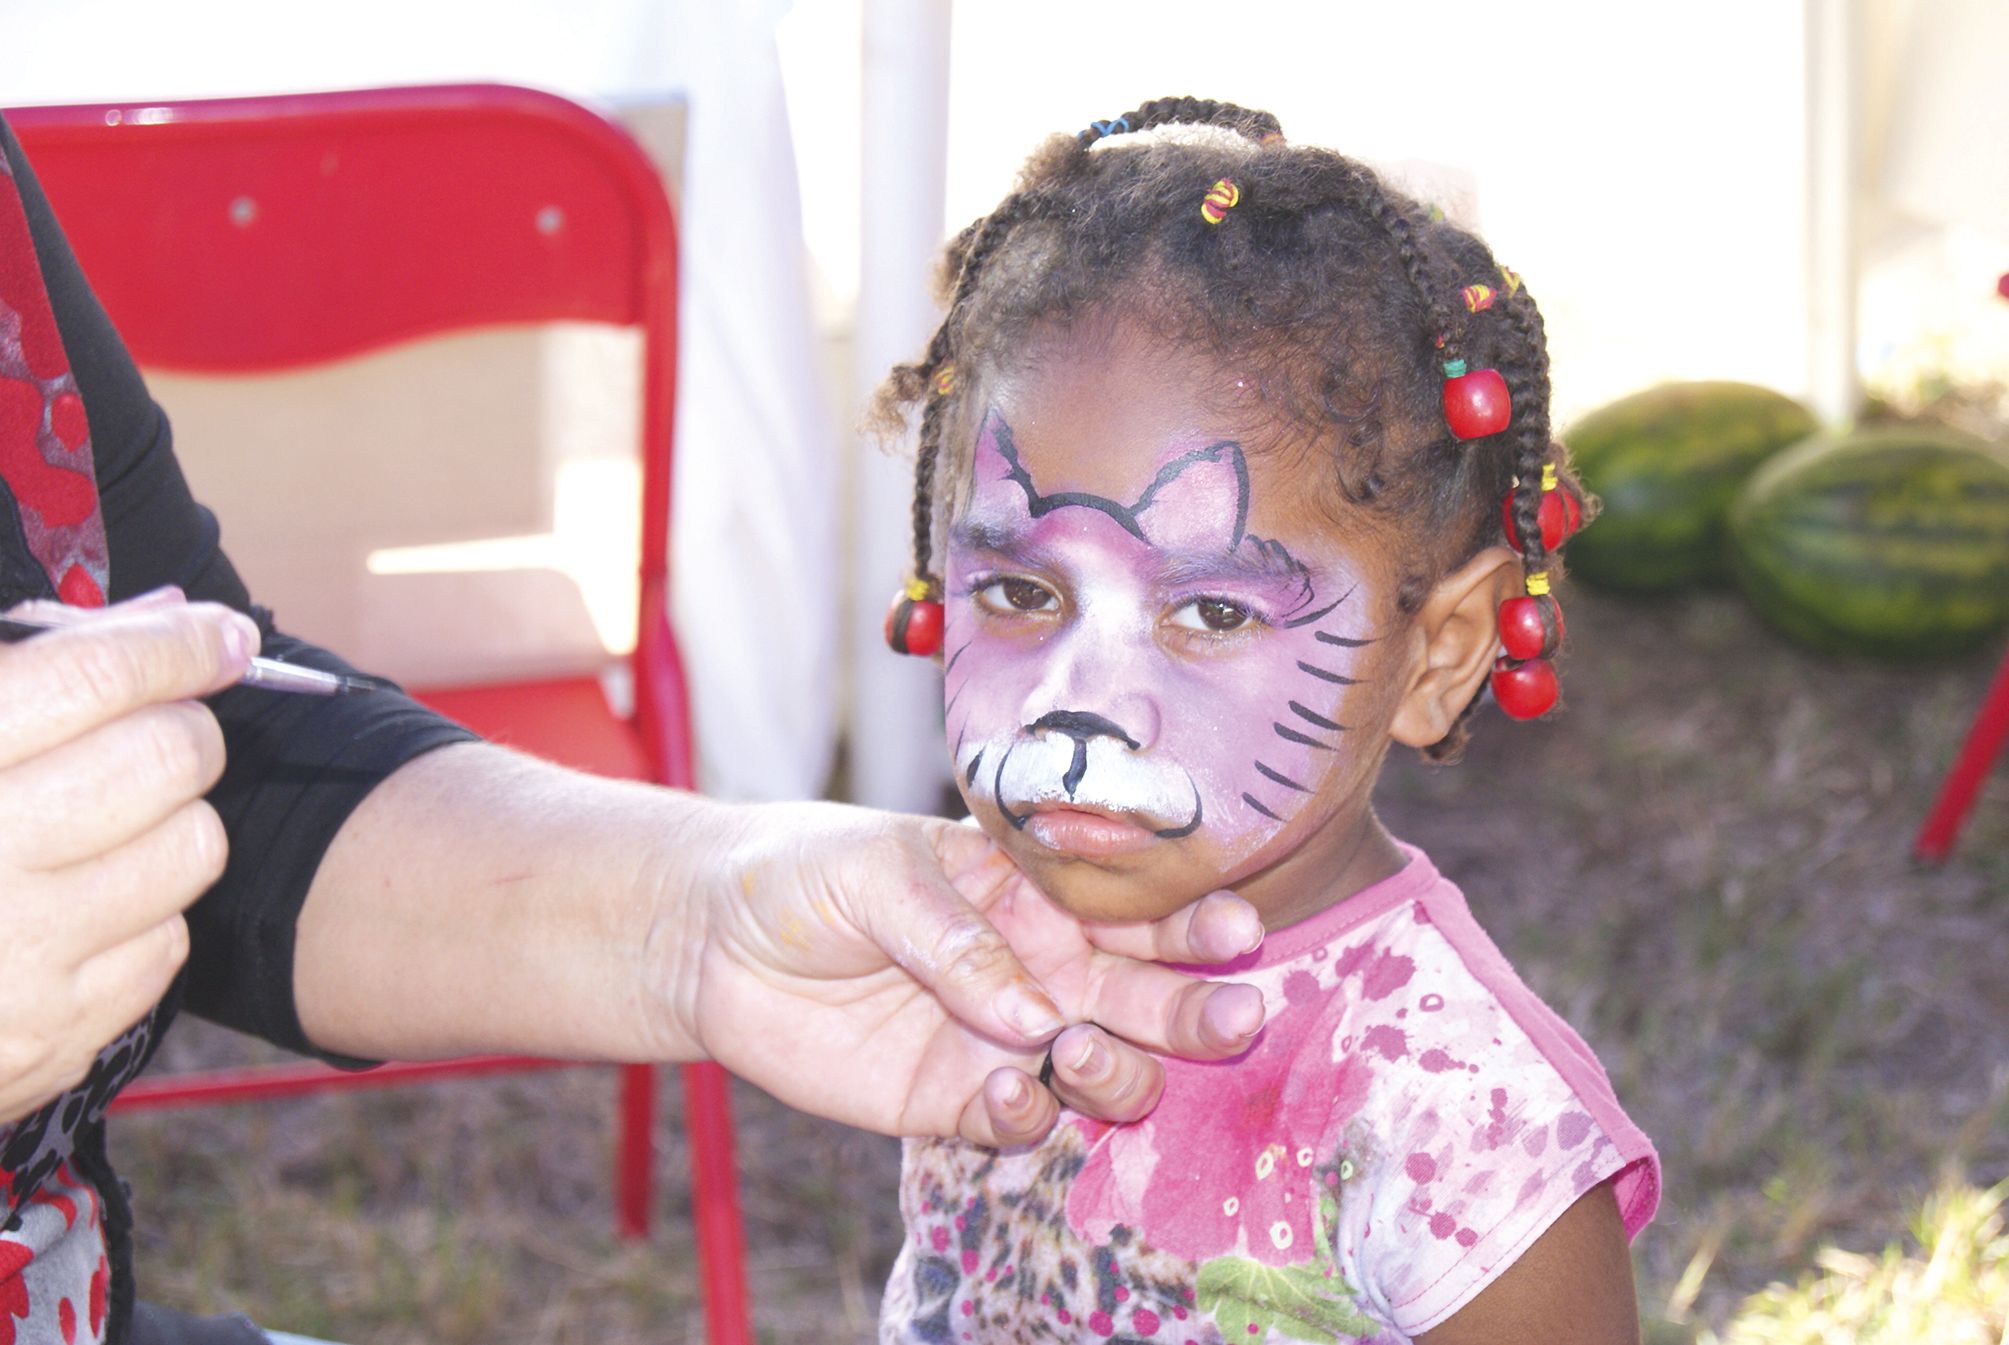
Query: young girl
[[1241, 466]]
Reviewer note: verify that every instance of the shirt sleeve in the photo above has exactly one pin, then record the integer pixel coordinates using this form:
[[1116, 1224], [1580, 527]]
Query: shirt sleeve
[[297, 765], [1488, 1123]]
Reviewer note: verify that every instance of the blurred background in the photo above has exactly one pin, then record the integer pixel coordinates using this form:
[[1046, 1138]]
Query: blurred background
[[1807, 195]]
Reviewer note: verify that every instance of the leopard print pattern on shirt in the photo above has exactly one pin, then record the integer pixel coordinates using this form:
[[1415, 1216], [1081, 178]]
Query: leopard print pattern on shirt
[[1003, 1265]]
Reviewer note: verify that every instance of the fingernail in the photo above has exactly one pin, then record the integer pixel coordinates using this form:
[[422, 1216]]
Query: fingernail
[[1030, 1013], [1234, 1018], [1092, 1060], [1017, 1094], [240, 638]]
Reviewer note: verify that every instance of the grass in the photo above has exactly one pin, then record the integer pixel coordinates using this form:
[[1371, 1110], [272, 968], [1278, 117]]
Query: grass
[[1949, 1284], [1703, 863]]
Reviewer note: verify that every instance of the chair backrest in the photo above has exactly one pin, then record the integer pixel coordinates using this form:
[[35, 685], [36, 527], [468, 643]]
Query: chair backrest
[[259, 234]]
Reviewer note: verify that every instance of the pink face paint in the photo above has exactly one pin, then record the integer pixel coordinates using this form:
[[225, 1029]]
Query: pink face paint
[[1088, 699]]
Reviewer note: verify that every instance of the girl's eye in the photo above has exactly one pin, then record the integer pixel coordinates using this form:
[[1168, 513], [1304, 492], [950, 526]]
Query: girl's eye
[[1016, 595], [1217, 615]]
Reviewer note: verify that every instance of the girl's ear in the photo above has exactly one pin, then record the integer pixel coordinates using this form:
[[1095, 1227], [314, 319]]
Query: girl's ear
[[1458, 631]]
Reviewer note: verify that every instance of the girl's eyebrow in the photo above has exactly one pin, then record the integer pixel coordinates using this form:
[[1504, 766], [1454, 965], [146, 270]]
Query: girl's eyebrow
[[1270, 565], [979, 536], [1267, 563]]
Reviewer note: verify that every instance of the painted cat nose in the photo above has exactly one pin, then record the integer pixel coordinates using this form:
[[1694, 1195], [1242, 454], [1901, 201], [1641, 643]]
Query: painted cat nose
[[1081, 725]]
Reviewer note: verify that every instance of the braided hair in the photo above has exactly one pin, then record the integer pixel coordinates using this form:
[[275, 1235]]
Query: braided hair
[[1342, 298]]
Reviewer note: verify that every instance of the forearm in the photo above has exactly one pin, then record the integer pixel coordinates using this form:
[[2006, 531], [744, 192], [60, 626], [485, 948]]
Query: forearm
[[479, 901]]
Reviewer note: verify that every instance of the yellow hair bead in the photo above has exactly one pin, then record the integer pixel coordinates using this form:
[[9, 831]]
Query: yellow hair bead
[[1478, 298], [1513, 281], [918, 589], [1538, 584], [945, 380], [1548, 476], [1222, 197]]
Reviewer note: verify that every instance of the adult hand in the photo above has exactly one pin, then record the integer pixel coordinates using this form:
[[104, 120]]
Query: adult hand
[[104, 836], [887, 971]]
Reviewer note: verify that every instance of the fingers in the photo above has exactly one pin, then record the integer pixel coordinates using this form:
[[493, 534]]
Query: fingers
[[930, 931], [1219, 927], [1100, 1076], [1169, 1012], [1093, 1073], [116, 782], [63, 1023], [65, 682], [117, 897], [116, 988], [1011, 1110]]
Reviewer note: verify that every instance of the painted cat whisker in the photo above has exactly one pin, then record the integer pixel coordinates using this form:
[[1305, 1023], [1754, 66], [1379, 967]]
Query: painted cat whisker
[[1326, 675], [1278, 777], [1311, 618], [1251, 800], [1315, 719], [1343, 641], [1291, 735]]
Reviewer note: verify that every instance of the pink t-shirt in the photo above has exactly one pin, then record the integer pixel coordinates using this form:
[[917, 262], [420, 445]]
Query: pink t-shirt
[[1410, 1121]]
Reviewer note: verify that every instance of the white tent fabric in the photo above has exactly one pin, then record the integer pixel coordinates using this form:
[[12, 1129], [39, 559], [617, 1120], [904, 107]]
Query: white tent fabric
[[757, 491]]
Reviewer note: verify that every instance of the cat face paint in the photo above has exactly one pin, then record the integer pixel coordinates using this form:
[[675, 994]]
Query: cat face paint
[[1145, 698]]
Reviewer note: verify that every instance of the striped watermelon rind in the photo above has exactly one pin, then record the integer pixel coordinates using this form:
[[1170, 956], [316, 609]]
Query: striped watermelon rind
[[1666, 463], [1890, 542]]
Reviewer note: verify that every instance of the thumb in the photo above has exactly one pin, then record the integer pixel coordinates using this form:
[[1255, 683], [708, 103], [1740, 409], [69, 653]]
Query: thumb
[[929, 930]]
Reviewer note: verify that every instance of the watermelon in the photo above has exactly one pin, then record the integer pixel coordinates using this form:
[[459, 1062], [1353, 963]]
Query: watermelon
[[1891, 542], [1666, 463]]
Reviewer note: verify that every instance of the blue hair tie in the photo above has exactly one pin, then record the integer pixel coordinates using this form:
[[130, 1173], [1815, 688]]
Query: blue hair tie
[[1117, 127]]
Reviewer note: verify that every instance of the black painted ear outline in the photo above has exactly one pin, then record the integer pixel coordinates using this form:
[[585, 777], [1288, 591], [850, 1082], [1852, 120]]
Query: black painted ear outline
[[1038, 505]]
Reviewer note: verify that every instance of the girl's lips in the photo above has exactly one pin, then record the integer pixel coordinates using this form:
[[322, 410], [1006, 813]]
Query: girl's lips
[[1087, 834]]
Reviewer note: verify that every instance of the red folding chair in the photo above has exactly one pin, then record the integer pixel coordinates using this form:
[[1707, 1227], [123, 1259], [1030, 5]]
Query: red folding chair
[[259, 234], [1984, 743], [1978, 752]]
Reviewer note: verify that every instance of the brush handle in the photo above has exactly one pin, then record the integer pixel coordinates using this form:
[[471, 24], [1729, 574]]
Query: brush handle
[[267, 674]]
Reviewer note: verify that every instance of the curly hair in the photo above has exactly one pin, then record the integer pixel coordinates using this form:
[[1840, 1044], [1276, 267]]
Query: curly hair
[[1341, 297]]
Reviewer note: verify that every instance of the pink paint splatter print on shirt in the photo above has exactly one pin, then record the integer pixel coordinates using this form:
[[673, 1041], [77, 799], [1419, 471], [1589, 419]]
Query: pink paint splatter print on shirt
[[1410, 1121]]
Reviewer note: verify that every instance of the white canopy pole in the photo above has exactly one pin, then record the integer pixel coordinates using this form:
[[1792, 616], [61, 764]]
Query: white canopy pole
[[1834, 148], [896, 751]]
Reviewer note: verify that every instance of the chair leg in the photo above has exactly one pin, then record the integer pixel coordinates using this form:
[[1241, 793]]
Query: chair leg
[[715, 1203], [1963, 783], [635, 1156]]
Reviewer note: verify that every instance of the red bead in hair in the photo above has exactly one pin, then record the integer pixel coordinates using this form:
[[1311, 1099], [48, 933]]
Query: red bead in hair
[[1525, 689], [914, 626], [1477, 404], [1560, 516], [1525, 631]]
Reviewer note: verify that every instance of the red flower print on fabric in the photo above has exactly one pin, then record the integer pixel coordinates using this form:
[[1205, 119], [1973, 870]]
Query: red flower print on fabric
[[1222, 1168], [14, 1258]]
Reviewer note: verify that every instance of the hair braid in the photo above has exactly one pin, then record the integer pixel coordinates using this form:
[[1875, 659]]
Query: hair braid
[[973, 247], [1409, 250], [1255, 125], [1526, 372]]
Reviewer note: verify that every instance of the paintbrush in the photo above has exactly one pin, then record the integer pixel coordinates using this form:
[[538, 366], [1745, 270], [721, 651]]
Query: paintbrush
[[268, 674]]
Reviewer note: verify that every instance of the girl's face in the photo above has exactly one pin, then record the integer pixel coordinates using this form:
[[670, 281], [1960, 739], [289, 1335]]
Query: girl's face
[[1167, 671]]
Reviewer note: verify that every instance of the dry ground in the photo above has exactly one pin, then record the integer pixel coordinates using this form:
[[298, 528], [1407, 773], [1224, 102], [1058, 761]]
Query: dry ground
[[1702, 864]]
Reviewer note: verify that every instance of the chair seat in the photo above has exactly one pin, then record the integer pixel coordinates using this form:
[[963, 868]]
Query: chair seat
[[566, 720]]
